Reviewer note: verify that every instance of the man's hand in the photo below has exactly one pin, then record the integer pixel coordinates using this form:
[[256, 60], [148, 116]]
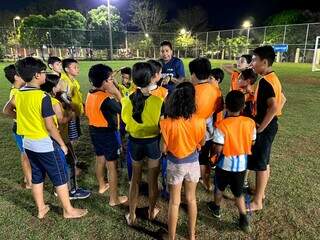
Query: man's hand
[[64, 149]]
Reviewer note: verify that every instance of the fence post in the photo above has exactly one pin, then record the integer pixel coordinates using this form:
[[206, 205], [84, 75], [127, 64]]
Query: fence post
[[264, 35], [207, 38], [284, 34], [126, 42], [305, 43]]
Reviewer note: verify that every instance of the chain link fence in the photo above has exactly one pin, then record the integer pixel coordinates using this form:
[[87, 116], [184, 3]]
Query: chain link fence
[[95, 44]]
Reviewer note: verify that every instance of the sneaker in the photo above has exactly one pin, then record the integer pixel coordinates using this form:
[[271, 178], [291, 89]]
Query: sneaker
[[215, 210], [79, 193], [244, 223]]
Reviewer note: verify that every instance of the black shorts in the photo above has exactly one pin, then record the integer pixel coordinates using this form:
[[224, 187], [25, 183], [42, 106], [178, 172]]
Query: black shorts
[[141, 148], [261, 150], [105, 143], [235, 180], [204, 154]]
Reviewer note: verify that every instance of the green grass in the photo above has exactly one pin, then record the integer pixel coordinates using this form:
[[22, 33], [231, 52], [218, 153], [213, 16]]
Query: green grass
[[292, 209]]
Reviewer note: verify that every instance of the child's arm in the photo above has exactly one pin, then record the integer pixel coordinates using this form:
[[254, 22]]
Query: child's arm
[[54, 133], [63, 117], [271, 113], [228, 68], [111, 88], [9, 108], [283, 100]]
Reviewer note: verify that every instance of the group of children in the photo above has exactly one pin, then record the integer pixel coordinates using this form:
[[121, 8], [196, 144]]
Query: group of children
[[191, 129]]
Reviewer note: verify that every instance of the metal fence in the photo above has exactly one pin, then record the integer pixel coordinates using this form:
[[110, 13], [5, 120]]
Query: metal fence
[[94, 44]]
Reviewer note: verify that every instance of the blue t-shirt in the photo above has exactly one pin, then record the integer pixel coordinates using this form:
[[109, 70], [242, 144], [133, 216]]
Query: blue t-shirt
[[174, 68]]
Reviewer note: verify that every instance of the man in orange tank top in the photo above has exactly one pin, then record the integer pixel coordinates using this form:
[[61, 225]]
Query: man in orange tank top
[[269, 101]]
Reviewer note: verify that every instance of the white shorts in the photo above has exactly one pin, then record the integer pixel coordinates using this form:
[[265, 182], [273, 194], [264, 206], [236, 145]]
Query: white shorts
[[178, 172]]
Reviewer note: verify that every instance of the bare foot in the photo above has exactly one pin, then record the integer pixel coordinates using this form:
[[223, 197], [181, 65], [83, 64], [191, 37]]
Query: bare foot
[[154, 214], [75, 213], [130, 220], [42, 213], [121, 200], [254, 207], [104, 189]]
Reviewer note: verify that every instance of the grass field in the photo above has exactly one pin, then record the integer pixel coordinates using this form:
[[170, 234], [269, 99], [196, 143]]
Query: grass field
[[292, 207]]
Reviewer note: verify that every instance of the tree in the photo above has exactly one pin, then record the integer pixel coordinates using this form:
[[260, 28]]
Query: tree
[[147, 15], [71, 27], [30, 31], [286, 17], [185, 41], [98, 18], [194, 19]]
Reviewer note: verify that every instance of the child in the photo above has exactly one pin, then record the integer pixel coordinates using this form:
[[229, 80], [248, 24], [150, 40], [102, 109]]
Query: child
[[61, 119], [246, 83], [55, 64], [243, 63], [141, 113], [269, 101], [216, 78], [183, 133], [154, 89], [42, 141], [71, 86], [126, 86], [207, 103], [233, 138], [16, 81], [102, 111]]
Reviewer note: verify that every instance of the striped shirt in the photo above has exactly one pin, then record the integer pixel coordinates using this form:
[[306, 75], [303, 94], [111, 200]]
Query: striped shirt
[[233, 163]]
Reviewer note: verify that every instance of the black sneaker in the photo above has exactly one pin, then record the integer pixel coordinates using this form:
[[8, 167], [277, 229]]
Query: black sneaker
[[244, 223], [215, 210]]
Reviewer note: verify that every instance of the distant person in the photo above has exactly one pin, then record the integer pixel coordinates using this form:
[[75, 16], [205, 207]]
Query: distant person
[[234, 70]]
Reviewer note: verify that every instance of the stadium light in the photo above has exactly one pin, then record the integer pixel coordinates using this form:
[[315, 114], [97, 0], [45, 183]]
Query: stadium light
[[183, 31], [146, 35], [247, 24]]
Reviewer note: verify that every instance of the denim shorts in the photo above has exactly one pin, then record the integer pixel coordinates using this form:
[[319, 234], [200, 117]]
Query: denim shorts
[[51, 163], [105, 143], [141, 148], [19, 143]]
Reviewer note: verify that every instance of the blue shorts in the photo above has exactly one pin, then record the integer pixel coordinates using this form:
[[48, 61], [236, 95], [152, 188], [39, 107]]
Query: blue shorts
[[19, 143], [52, 163], [141, 148], [105, 143]]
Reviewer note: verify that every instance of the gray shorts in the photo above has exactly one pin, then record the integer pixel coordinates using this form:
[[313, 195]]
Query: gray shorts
[[187, 169]]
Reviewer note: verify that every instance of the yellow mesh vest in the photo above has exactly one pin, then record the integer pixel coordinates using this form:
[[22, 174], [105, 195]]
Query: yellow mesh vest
[[149, 127], [30, 123]]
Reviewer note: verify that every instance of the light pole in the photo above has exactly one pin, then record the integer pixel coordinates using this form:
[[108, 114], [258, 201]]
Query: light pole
[[247, 25], [110, 31], [16, 18]]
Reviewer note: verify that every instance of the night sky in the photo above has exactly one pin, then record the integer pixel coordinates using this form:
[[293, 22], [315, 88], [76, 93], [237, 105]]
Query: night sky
[[222, 14]]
